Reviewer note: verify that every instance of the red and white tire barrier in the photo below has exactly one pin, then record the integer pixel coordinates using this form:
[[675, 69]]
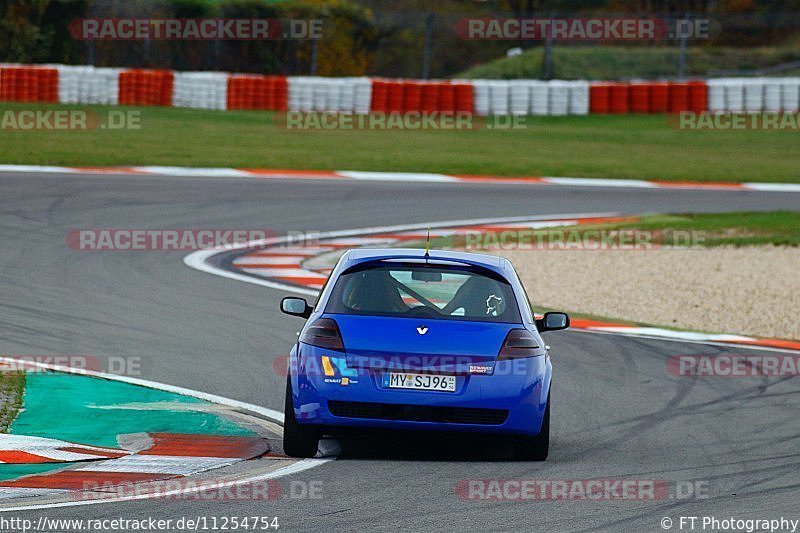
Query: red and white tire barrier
[[361, 95], [146, 87], [415, 96], [201, 90], [530, 97], [28, 84], [250, 91], [342, 95], [754, 94], [88, 85], [648, 97]]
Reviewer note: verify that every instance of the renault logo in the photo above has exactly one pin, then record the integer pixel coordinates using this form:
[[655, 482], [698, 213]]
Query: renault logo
[[422, 330]]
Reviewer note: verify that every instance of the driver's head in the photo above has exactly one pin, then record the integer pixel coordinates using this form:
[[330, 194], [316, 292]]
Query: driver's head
[[373, 290]]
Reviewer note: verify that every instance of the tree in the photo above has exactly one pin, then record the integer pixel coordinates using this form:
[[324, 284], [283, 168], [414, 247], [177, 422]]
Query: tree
[[21, 35]]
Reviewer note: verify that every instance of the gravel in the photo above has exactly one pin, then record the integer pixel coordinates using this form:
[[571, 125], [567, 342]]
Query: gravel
[[750, 290]]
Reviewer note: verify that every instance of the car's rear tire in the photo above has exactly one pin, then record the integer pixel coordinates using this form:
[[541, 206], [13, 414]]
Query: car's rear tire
[[298, 440], [534, 448]]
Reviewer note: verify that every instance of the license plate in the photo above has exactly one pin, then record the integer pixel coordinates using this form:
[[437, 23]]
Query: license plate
[[422, 382]]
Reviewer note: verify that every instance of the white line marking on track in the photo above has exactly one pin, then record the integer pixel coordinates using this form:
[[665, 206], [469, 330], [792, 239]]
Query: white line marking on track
[[599, 182], [269, 260], [195, 172], [773, 187], [37, 168], [394, 176]]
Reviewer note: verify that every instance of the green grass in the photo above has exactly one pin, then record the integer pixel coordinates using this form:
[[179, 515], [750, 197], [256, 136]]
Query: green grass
[[644, 147], [12, 389], [615, 62], [779, 228]]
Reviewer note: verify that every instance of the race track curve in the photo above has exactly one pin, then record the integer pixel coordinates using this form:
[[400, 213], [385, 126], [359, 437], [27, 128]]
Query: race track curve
[[617, 412]]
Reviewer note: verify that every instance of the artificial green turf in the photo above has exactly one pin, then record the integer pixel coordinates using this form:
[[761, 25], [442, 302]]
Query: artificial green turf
[[643, 147], [88, 410]]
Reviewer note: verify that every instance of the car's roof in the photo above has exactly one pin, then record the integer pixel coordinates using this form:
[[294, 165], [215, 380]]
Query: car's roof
[[363, 255]]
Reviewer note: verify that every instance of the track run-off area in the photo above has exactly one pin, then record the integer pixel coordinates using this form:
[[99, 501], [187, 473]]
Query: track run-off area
[[617, 413]]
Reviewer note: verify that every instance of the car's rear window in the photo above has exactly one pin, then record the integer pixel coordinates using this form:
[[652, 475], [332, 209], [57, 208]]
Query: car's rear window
[[424, 291]]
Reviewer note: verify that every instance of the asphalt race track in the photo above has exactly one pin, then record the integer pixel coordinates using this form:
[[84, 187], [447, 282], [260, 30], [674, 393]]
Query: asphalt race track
[[617, 413]]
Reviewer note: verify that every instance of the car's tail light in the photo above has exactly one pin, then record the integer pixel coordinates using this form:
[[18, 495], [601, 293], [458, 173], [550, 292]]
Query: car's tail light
[[519, 343], [323, 333]]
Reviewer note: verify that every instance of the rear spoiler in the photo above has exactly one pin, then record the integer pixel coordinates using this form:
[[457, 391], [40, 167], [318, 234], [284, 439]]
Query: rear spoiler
[[493, 271]]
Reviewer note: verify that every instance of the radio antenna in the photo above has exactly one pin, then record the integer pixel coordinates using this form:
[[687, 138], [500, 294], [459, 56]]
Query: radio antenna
[[428, 245]]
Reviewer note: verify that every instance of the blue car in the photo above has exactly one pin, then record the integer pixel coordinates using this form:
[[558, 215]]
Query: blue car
[[414, 340]]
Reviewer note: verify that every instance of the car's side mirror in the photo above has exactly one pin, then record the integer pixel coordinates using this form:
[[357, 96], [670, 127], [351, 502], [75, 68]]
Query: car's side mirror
[[296, 307], [552, 322]]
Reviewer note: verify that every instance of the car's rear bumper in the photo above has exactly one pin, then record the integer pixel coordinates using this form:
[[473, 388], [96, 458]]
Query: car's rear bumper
[[510, 401]]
